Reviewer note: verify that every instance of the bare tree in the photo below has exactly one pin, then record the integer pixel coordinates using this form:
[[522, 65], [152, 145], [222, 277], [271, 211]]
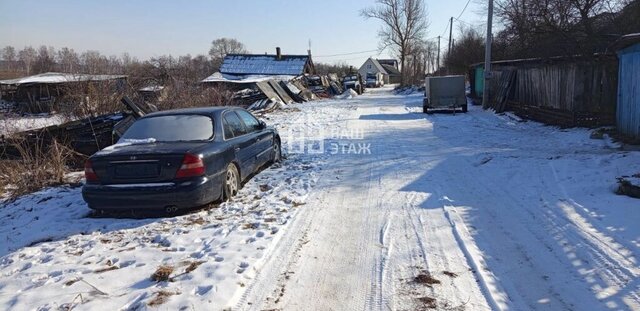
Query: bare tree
[[68, 60], [417, 61], [535, 28], [404, 24], [432, 55], [469, 49], [27, 56], [223, 46], [44, 60], [93, 62], [341, 68], [9, 55]]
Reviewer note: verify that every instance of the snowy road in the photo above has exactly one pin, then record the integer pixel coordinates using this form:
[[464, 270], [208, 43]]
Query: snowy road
[[502, 215], [390, 209]]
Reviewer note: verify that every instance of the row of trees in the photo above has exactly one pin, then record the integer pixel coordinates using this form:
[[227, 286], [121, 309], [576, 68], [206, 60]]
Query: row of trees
[[529, 29], [44, 59], [162, 70], [546, 28], [542, 28], [30, 60]]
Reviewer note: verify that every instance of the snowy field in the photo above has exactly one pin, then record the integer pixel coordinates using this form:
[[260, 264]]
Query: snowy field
[[377, 207]]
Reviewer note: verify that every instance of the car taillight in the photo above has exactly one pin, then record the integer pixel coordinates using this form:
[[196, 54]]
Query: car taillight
[[192, 166], [89, 174]]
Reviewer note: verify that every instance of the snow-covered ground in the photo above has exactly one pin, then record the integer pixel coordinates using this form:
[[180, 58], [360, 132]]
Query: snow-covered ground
[[378, 206], [13, 124]]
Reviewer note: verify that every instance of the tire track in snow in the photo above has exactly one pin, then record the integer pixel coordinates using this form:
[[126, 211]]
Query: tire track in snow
[[528, 217], [495, 293]]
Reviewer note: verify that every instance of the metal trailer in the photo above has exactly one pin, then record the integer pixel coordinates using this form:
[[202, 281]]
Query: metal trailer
[[446, 92]]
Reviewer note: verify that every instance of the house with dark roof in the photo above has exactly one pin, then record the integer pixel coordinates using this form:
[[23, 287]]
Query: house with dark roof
[[251, 68], [388, 68]]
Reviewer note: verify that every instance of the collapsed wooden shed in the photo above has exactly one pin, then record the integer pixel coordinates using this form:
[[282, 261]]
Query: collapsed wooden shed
[[40, 93]]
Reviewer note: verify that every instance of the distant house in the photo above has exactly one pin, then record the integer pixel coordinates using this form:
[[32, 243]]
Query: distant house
[[372, 66], [628, 108], [38, 93], [388, 68], [248, 68]]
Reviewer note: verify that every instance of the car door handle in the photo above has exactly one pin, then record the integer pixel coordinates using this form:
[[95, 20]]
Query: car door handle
[[236, 149]]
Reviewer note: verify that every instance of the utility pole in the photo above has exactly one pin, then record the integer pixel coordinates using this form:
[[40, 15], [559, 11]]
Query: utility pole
[[438, 61], [450, 37], [487, 58]]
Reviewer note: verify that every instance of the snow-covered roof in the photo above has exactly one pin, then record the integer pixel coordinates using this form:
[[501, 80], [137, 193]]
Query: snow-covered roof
[[153, 88], [222, 77], [246, 64], [59, 77]]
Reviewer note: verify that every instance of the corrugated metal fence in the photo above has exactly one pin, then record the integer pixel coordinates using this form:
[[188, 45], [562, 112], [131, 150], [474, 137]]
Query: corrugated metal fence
[[628, 114]]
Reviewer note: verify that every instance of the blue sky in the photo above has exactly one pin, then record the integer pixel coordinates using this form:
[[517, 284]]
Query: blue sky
[[153, 28]]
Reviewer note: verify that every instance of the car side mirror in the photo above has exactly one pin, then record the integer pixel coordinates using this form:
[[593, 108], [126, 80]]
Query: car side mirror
[[263, 125]]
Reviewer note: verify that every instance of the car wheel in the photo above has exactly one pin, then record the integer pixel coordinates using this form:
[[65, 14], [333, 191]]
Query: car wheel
[[231, 182], [277, 152]]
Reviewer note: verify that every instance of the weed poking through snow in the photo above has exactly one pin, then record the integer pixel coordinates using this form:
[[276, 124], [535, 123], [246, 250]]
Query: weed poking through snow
[[162, 274]]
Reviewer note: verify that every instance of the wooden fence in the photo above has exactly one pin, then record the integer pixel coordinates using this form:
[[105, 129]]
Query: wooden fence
[[565, 91]]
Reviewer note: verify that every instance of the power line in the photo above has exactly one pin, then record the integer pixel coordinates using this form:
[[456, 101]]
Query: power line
[[355, 58], [445, 29], [345, 54], [466, 23], [344, 59], [465, 8], [456, 18]]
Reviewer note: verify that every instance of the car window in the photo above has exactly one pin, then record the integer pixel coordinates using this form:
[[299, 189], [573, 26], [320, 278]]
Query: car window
[[249, 120], [235, 126], [171, 128], [228, 132]]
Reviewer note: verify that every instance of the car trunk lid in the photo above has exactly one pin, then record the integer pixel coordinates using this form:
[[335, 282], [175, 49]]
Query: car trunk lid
[[145, 163]]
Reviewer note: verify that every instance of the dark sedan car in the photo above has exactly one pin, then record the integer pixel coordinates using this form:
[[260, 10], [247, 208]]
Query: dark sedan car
[[180, 158]]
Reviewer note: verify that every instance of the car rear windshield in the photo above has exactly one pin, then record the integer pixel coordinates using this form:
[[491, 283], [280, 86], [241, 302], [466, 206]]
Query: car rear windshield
[[172, 128]]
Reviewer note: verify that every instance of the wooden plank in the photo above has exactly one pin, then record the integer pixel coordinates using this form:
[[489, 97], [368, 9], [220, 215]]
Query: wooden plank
[[268, 91], [281, 92]]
